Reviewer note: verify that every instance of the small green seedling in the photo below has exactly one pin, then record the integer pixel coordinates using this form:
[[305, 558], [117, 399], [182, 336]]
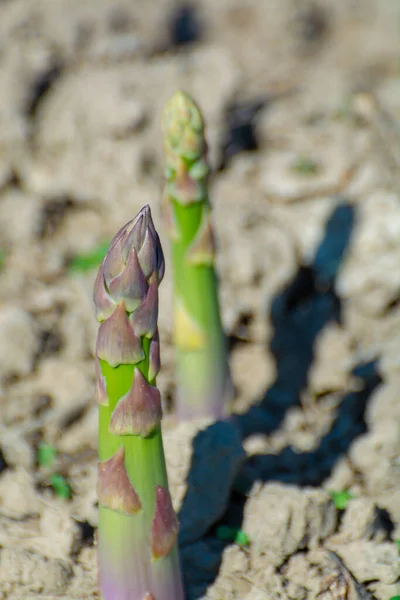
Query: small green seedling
[[231, 534], [341, 499], [397, 542], [86, 262], [46, 454], [305, 165], [60, 485], [2, 258]]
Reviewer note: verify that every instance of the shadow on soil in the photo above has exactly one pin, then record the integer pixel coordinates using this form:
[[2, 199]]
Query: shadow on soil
[[298, 315]]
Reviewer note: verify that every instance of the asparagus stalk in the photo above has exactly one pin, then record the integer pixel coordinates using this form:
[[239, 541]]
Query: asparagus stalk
[[138, 558], [204, 384]]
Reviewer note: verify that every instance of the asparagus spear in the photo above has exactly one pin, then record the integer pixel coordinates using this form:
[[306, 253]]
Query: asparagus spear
[[204, 384], [138, 558]]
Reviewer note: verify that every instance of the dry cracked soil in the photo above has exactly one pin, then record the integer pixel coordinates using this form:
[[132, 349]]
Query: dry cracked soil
[[302, 103]]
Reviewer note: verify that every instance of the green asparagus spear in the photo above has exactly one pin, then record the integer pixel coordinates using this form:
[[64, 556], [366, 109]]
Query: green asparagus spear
[[204, 384], [138, 558]]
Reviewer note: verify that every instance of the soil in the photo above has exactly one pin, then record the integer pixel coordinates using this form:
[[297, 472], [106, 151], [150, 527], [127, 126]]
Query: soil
[[302, 102]]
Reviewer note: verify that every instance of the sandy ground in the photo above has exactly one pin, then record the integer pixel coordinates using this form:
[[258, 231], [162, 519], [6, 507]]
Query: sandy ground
[[308, 227]]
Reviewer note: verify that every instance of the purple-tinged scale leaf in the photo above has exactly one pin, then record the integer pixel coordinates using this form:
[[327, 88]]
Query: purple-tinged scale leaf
[[137, 231], [147, 255], [169, 219], [100, 389], [113, 263], [154, 356], [151, 256], [184, 189], [139, 412], [130, 285], [202, 250], [144, 319], [116, 342], [164, 529], [104, 304], [114, 488]]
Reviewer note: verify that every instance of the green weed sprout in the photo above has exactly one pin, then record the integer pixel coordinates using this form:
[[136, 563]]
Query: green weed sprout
[[204, 384], [46, 454], [341, 499], [138, 557], [60, 485]]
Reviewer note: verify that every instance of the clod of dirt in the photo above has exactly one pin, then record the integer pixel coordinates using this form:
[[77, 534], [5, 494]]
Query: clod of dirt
[[332, 362], [370, 275], [232, 580], [17, 494], [15, 448], [60, 534], [34, 572], [361, 521], [280, 520], [17, 328], [16, 231], [369, 561]]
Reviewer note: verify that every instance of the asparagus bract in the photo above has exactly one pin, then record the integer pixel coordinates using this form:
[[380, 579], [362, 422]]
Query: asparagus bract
[[204, 385], [137, 533]]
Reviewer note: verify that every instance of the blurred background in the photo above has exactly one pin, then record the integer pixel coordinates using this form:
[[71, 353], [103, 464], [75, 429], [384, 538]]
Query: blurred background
[[302, 105]]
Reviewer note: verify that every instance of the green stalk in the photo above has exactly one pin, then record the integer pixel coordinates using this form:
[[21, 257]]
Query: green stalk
[[204, 384], [138, 558]]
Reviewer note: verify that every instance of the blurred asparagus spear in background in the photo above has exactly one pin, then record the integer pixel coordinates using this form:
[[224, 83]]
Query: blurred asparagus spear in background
[[138, 558], [204, 384]]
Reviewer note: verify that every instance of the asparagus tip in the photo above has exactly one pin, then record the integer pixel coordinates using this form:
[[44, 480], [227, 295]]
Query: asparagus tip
[[182, 124]]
